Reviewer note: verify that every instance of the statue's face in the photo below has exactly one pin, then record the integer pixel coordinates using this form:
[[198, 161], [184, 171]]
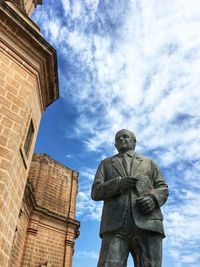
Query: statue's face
[[124, 141]]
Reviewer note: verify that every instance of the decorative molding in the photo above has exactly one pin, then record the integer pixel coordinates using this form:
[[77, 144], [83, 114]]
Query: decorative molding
[[21, 36], [30, 197], [48, 158], [37, 2], [20, 11], [75, 178], [75, 225], [32, 231], [18, 3], [44, 161], [21, 4], [69, 243]]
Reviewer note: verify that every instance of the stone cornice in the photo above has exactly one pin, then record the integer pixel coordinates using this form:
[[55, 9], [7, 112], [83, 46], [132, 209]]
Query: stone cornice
[[46, 158], [69, 243], [30, 198], [32, 231], [22, 37], [20, 3], [20, 12], [75, 225]]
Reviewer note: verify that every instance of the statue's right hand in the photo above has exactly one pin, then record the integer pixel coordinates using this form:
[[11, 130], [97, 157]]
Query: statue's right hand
[[128, 182]]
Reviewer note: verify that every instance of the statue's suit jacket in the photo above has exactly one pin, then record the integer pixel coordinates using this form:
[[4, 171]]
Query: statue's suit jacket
[[106, 187]]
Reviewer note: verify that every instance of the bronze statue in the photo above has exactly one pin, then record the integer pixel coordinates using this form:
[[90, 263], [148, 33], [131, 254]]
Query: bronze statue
[[133, 190]]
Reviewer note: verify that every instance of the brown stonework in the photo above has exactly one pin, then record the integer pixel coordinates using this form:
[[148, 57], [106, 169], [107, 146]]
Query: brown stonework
[[26, 6], [28, 84], [46, 230]]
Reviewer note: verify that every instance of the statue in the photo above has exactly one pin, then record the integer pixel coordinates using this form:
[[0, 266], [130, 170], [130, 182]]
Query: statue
[[133, 190]]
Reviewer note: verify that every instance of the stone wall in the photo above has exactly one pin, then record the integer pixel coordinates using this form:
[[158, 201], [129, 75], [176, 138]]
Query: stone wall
[[20, 236], [47, 216], [28, 84], [52, 184], [20, 105]]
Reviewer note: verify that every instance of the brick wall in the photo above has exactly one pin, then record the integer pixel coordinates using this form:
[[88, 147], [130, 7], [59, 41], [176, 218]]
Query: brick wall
[[45, 245], [52, 183], [28, 83], [19, 236], [19, 103], [46, 227]]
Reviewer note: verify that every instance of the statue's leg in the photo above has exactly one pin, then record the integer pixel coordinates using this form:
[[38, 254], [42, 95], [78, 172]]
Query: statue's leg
[[147, 249], [114, 251]]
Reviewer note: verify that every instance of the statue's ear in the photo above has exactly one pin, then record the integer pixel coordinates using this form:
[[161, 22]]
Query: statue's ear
[[134, 144]]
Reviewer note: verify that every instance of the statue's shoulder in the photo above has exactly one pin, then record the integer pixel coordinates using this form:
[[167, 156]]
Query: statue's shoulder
[[143, 158], [109, 159]]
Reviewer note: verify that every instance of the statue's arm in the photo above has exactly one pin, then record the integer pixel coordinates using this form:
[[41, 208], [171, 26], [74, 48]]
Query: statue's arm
[[102, 188], [160, 191]]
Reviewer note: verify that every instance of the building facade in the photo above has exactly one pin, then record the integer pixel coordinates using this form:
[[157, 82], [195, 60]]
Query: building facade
[[46, 226], [28, 84]]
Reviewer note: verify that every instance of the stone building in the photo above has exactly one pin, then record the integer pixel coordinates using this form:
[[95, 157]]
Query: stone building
[[46, 225], [36, 219]]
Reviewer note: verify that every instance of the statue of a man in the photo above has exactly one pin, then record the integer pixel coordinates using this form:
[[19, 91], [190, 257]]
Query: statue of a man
[[133, 190]]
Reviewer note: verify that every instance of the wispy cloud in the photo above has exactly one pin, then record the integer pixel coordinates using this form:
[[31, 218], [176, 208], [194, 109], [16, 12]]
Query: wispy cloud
[[69, 156], [183, 228], [86, 255], [86, 207], [135, 64]]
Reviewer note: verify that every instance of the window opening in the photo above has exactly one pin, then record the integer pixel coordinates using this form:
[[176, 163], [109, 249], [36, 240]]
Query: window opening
[[29, 138]]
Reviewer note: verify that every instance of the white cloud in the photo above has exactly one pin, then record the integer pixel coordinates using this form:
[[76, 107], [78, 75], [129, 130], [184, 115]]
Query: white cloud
[[86, 255], [54, 27], [88, 173], [66, 6], [68, 156], [86, 207], [183, 228]]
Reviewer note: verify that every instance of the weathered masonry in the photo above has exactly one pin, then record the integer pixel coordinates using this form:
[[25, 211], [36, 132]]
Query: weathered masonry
[[28, 84], [46, 226]]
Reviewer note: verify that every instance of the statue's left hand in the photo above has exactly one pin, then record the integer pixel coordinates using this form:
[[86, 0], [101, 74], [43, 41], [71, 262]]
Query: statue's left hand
[[147, 204]]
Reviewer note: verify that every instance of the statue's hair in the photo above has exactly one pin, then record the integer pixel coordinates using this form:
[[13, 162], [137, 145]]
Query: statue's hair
[[126, 130]]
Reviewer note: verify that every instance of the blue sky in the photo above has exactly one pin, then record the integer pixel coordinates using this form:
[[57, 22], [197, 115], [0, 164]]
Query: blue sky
[[136, 65]]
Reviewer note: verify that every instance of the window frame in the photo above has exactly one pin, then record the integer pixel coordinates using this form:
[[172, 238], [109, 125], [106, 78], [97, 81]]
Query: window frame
[[27, 142]]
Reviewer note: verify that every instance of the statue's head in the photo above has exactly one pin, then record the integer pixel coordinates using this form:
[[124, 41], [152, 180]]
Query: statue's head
[[125, 140]]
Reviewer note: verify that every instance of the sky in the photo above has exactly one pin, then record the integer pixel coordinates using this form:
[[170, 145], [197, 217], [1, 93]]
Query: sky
[[135, 65]]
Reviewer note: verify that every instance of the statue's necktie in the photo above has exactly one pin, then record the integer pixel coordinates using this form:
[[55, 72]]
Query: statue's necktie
[[125, 163]]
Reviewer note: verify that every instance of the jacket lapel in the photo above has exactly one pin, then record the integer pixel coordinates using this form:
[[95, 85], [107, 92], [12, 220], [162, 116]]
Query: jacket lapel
[[117, 164], [135, 164]]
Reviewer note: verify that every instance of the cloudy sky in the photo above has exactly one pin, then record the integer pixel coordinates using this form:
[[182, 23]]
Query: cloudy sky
[[128, 64]]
